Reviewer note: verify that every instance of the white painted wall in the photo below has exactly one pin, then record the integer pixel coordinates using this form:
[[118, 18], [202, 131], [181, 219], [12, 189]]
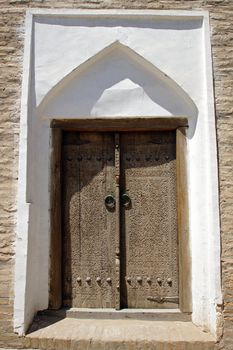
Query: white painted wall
[[116, 63]]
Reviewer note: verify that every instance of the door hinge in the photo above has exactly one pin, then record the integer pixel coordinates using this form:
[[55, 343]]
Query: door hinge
[[162, 300]]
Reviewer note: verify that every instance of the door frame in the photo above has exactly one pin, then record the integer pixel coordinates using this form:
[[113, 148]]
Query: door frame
[[120, 124]]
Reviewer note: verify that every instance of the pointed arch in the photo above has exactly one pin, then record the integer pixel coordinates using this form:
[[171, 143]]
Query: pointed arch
[[116, 81]]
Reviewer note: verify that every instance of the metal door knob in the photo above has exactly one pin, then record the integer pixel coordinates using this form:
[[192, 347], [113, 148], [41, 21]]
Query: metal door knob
[[125, 200], [110, 201]]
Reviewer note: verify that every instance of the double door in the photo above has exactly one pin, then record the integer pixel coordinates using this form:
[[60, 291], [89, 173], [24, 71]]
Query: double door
[[120, 246]]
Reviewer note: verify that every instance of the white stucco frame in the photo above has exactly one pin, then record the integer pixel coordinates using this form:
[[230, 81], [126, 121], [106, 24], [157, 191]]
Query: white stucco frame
[[47, 93]]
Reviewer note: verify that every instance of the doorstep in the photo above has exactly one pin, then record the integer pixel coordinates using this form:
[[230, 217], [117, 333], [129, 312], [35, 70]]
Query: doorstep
[[116, 334], [137, 314]]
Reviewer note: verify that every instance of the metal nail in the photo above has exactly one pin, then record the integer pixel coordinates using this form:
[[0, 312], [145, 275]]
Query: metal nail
[[139, 279], [169, 281], [159, 280], [79, 279], [109, 280], [88, 279], [148, 280], [128, 279], [98, 279]]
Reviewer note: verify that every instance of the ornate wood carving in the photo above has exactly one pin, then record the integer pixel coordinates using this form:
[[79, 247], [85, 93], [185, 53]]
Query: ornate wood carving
[[89, 277], [120, 245], [149, 246]]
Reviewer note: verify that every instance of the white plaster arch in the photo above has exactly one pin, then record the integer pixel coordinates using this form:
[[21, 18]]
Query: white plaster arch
[[114, 82]]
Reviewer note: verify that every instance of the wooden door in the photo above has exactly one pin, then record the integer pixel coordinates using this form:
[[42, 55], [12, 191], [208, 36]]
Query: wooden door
[[136, 265], [149, 247], [88, 173]]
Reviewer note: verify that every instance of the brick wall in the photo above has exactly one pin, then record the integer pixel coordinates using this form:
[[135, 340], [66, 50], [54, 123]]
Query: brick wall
[[12, 15]]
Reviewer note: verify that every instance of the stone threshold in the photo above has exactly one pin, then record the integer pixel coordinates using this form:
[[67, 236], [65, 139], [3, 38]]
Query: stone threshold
[[137, 314], [92, 333]]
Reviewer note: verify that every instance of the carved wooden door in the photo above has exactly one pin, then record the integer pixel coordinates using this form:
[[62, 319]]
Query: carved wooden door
[[89, 278], [149, 247], [120, 244]]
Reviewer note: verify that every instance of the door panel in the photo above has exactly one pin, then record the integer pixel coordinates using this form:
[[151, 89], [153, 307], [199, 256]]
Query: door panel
[[88, 227], [146, 262], [149, 254]]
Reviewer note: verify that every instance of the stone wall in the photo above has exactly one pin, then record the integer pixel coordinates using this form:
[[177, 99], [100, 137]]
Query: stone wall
[[12, 16]]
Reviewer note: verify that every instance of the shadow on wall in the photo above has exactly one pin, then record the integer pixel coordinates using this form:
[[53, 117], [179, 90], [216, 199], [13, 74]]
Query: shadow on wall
[[177, 23], [117, 82]]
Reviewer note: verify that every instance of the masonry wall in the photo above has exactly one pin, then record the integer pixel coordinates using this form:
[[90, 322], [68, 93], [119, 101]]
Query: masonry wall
[[12, 17]]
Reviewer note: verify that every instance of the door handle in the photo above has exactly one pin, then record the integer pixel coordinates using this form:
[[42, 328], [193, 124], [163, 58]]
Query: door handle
[[110, 201], [125, 200]]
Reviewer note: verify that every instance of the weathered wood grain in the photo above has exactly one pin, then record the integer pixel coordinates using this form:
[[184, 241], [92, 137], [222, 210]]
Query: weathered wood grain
[[183, 224]]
